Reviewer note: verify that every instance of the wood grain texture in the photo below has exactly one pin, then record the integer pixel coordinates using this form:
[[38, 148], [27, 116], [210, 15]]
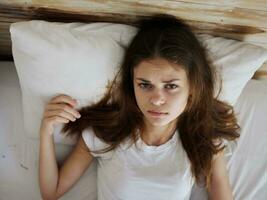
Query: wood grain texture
[[244, 20]]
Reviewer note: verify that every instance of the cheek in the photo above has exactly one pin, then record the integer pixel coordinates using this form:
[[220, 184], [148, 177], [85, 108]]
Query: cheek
[[139, 97], [178, 102]]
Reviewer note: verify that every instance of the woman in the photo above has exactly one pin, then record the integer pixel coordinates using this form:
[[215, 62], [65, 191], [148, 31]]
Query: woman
[[157, 130]]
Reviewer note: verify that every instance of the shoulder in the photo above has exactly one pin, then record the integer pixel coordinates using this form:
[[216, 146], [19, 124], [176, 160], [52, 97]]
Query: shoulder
[[92, 141], [229, 146], [82, 148], [220, 186]]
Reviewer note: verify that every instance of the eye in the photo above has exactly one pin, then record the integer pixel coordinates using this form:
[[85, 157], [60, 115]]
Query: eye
[[144, 85], [171, 86], [148, 86]]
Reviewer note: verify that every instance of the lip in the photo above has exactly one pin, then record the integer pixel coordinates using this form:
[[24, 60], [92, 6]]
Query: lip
[[156, 113]]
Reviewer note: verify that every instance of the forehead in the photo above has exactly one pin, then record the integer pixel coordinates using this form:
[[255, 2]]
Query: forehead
[[159, 67]]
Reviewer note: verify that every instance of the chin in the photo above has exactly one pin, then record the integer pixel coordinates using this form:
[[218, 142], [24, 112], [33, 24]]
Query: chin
[[159, 122]]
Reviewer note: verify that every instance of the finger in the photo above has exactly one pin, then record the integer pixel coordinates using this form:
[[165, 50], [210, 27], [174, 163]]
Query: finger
[[58, 119], [60, 113], [64, 99], [64, 107]]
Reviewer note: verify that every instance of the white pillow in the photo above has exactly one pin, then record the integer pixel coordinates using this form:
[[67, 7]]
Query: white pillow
[[78, 59], [235, 62], [52, 58]]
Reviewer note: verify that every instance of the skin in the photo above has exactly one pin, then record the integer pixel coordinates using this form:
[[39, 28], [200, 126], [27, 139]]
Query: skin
[[220, 188], [55, 181], [160, 86]]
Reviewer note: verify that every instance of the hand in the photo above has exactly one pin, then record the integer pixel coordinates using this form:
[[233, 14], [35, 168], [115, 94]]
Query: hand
[[59, 109]]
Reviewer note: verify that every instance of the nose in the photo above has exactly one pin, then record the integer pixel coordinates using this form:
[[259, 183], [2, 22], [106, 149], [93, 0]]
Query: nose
[[157, 98]]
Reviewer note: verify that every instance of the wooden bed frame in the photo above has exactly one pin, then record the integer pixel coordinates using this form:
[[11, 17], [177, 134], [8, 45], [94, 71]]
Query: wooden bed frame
[[244, 20]]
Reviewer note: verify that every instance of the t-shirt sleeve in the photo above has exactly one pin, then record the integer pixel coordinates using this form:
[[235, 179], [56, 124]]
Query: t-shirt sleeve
[[93, 142], [230, 146]]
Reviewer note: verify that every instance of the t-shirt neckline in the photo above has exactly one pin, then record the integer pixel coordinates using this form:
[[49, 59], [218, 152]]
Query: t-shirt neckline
[[172, 141]]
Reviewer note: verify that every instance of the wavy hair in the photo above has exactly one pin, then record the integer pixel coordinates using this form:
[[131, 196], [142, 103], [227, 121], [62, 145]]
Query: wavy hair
[[204, 120]]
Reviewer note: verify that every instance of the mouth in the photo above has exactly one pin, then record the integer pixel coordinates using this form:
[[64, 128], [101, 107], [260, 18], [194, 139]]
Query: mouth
[[156, 113]]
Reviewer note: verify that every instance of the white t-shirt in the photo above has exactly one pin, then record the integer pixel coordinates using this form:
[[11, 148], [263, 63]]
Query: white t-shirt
[[142, 173]]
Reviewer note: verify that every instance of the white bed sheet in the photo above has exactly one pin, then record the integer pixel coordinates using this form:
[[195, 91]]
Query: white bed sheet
[[247, 166], [19, 155]]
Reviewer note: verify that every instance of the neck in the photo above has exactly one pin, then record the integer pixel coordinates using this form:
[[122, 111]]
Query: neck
[[157, 135]]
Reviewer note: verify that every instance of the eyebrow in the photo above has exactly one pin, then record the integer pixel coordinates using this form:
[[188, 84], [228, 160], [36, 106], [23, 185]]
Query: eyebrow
[[147, 81]]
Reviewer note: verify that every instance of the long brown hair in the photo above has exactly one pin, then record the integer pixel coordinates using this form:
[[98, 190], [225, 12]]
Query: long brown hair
[[205, 119]]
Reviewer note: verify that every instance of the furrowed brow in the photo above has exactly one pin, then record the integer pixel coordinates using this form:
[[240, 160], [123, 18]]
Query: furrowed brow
[[147, 81]]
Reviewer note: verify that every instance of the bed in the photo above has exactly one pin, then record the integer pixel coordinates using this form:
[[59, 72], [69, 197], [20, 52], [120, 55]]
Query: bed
[[247, 166], [242, 20]]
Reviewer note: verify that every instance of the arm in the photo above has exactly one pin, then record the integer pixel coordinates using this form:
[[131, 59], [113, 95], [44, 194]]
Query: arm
[[53, 182], [220, 188]]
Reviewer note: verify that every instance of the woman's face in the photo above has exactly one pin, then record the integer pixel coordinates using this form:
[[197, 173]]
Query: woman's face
[[161, 90]]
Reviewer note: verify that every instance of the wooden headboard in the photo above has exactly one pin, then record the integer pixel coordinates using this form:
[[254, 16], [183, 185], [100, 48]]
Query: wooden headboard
[[244, 20]]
